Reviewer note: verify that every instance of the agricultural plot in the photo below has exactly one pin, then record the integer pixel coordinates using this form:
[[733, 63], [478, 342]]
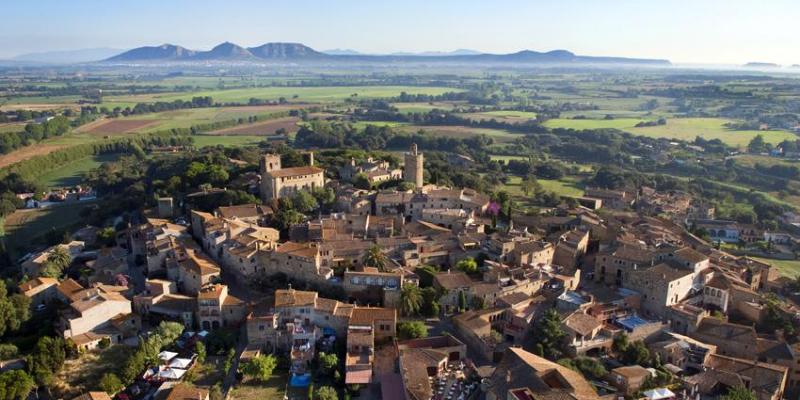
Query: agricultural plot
[[424, 107], [72, 174], [676, 128], [116, 126], [261, 128], [294, 94], [27, 152], [502, 116], [25, 229], [788, 268]]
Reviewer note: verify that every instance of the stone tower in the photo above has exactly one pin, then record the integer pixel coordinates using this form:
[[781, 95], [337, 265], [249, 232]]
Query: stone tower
[[270, 162], [413, 168]]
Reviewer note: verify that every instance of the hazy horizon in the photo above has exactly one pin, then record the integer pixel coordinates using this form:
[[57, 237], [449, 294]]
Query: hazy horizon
[[682, 31]]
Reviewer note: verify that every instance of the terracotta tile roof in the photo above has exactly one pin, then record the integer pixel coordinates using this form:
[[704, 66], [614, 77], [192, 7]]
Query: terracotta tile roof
[[582, 323], [453, 280], [185, 391], [93, 396], [70, 289], [521, 369], [691, 255], [631, 371], [305, 250], [366, 316], [295, 171], [37, 282], [199, 263], [294, 298]]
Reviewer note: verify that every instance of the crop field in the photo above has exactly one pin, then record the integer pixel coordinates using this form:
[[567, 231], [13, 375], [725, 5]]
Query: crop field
[[116, 126], [12, 127], [261, 128], [310, 94], [424, 107], [677, 128], [503, 116], [72, 174], [27, 152], [566, 186], [498, 135]]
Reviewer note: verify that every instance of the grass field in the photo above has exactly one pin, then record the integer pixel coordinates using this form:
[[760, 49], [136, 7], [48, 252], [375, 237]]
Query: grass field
[[27, 228], [227, 141], [677, 128], [566, 186], [423, 107], [506, 159], [503, 116], [789, 268], [498, 135], [71, 174], [312, 94]]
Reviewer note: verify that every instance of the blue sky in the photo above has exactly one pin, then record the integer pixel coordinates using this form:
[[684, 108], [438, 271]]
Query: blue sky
[[694, 31]]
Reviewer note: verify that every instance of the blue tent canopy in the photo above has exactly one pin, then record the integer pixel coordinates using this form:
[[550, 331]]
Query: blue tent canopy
[[300, 380]]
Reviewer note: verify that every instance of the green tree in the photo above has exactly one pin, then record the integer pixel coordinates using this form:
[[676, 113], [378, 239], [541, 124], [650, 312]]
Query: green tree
[[328, 362], [361, 181], [468, 266], [548, 334], [412, 330], [426, 274], [200, 349], [15, 385], [620, 343], [325, 197], [430, 302], [60, 256], [739, 393], [410, 300], [107, 236], [375, 258], [327, 393], [260, 367], [757, 144], [110, 383], [304, 202], [285, 218], [462, 301]]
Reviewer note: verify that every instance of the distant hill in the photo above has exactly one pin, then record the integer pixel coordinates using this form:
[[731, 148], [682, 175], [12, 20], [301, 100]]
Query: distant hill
[[285, 51], [296, 52], [342, 52], [69, 56], [225, 51], [459, 52], [761, 65], [165, 52]]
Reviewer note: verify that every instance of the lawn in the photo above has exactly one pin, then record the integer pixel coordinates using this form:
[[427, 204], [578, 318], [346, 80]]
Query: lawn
[[677, 128], [506, 159], [566, 186], [25, 229], [72, 174], [274, 388], [312, 94], [788, 268]]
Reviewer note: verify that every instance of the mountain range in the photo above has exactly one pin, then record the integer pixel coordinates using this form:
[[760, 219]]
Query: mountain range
[[299, 53]]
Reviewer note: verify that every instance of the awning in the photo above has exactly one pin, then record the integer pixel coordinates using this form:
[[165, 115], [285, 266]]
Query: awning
[[172, 373], [659, 394], [166, 355], [358, 377], [180, 363]]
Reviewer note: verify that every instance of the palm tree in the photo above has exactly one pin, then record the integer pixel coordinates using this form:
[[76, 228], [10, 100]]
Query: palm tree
[[375, 258], [60, 257], [410, 300]]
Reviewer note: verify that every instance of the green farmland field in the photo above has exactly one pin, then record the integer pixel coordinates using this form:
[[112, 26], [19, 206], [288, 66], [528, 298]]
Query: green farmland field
[[676, 128]]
